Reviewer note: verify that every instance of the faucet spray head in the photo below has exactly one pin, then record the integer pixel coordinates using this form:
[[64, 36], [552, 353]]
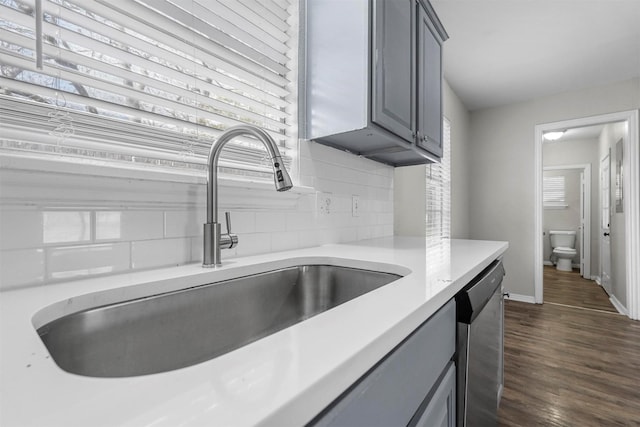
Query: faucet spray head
[[281, 178]]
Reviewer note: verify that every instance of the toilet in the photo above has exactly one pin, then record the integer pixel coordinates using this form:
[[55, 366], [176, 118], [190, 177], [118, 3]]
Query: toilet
[[563, 246]]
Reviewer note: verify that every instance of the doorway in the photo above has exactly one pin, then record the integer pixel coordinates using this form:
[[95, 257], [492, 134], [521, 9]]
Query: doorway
[[630, 202], [572, 184]]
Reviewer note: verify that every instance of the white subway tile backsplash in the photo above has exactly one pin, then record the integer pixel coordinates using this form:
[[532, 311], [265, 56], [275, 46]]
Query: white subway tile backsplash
[[196, 249], [284, 241], [62, 242], [270, 222], [241, 222], [21, 267], [309, 238], [307, 203], [66, 227], [347, 234], [129, 225], [253, 243], [20, 229], [160, 253], [363, 233], [182, 224], [296, 221], [79, 261]]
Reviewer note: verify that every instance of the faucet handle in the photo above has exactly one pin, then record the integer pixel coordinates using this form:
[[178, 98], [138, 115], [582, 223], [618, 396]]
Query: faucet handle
[[227, 215], [230, 240]]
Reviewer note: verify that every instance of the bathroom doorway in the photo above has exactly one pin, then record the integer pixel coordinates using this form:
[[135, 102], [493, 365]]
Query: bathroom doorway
[[570, 188], [624, 193]]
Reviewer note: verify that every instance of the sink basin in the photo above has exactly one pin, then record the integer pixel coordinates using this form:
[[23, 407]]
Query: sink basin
[[173, 330]]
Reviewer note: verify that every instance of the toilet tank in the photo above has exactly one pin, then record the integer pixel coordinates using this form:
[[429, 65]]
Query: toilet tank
[[561, 238]]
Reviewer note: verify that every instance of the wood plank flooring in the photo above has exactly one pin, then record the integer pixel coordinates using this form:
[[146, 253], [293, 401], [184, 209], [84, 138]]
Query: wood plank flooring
[[567, 366], [569, 288]]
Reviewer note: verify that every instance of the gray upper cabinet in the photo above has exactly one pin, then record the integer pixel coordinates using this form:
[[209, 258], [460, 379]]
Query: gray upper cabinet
[[394, 78], [429, 79], [373, 73]]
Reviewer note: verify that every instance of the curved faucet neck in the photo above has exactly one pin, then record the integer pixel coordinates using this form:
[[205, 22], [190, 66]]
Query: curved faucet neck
[[282, 179]]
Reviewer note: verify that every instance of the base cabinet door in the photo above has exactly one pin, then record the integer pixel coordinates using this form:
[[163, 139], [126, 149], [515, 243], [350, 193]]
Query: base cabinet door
[[440, 411], [393, 391]]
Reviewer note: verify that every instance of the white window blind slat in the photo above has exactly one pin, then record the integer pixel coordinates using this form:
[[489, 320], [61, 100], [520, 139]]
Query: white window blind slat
[[11, 15], [163, 71], [28, 113], [252, 17], [126, 141], [168, 33], [147, 82], [554, 191], [268, 7], [168, 106], [282, 4], [268, 59], [438, 194], [273, 39]]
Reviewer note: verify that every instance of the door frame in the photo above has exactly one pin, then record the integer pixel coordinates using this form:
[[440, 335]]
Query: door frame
[[631, 183], [585, 199]]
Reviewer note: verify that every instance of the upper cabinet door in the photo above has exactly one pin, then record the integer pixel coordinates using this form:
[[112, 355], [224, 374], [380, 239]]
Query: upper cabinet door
[[429, 86], [393, 91]]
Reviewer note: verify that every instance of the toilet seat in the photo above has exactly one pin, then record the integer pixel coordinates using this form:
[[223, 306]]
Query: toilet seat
[[565, 251]]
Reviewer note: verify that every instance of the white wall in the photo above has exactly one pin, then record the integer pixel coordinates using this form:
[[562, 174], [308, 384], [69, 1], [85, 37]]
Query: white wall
[[611, 134], [579, 151], [501, 174], [68, 223], [410, 192]]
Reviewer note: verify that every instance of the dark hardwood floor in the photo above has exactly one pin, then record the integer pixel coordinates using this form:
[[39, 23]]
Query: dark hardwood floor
[[566, 366], [569, 288]]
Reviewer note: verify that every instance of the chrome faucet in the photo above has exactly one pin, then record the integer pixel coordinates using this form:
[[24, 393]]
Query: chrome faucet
[[214, 240]]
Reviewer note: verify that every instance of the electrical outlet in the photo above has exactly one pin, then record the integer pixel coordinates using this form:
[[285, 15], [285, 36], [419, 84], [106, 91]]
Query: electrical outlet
[[355, 205], [324, 204]]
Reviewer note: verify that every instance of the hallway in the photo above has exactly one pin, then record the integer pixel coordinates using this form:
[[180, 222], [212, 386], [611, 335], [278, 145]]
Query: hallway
[[569, 288], [566, 366]]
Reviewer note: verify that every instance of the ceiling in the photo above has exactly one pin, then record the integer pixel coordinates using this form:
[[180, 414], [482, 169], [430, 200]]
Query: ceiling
[[506, 51]]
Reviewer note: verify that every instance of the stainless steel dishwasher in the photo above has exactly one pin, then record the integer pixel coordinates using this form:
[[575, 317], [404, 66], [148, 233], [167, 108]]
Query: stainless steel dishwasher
[[479, 351]]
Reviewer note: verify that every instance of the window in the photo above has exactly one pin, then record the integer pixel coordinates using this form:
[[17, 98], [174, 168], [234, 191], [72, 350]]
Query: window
[[439, 192], [147, 82], [554, 192]]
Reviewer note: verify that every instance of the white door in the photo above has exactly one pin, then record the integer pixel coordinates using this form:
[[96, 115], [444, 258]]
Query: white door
[[605, 223], [581, 235]]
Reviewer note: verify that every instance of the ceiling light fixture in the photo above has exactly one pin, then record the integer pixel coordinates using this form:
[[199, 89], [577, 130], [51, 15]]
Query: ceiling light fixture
[[552, 136]]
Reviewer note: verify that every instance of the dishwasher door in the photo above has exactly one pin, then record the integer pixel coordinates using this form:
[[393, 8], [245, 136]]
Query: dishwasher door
[[480, 351]]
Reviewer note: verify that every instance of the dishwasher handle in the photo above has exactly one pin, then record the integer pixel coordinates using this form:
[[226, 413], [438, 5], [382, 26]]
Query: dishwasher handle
[[472, 299]]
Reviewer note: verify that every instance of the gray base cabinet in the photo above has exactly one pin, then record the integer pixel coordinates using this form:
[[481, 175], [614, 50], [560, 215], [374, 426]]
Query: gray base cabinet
[[414, 383], [373, 83], [441, 409]]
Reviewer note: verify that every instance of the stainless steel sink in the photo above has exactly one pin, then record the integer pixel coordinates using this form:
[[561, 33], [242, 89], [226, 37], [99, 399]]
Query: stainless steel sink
[[173, 330]]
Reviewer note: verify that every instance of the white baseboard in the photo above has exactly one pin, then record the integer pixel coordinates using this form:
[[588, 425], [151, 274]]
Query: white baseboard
[[521, 298], [618, 305], [597, 280], [547, 262]]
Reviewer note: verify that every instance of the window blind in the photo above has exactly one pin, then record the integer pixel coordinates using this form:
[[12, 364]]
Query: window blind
[[553, 191], [438, 197], [148, 82]]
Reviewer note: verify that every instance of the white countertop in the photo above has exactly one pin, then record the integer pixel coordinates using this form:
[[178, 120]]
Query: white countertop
[[282, 380]]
